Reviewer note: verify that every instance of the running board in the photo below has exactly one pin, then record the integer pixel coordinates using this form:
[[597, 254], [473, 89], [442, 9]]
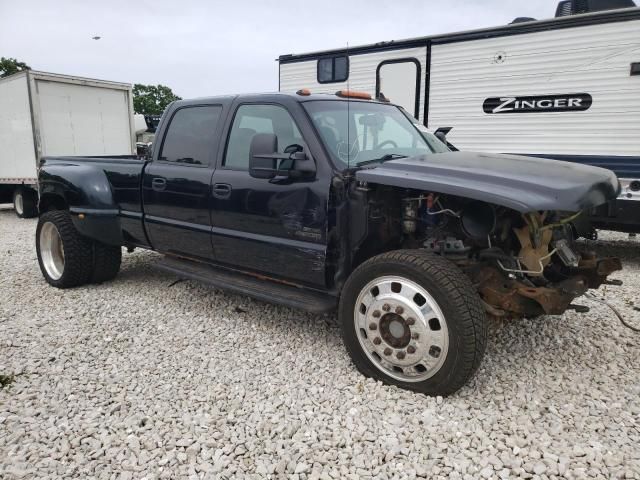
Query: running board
[[256, 287]]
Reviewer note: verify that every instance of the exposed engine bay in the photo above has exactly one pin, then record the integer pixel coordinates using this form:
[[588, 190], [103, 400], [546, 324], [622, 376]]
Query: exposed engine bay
[[523, 265]]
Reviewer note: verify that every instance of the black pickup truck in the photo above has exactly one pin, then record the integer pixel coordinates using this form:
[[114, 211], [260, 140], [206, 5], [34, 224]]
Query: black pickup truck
[[325, 202]]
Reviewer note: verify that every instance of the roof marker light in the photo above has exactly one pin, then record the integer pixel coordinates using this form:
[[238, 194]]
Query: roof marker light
[[304, 92], [353, 94]]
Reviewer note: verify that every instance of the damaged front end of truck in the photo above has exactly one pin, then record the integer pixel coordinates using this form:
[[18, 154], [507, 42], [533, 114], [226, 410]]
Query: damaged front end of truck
[[506, 221], [536, 268]]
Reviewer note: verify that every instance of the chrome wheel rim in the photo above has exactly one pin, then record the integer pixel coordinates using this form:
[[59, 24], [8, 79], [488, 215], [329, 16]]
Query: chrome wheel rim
[[51, 251], [401, 329], [19, 204]]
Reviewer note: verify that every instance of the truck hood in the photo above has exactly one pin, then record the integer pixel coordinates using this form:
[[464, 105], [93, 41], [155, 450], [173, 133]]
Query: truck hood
[[524, 184]]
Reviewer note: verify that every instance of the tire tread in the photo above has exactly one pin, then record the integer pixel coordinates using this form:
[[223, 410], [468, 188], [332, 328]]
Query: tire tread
[[107, 261]]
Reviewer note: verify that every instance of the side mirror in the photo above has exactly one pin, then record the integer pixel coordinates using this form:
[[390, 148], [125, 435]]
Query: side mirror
[[264, 157], [441, 134], [262, 162]]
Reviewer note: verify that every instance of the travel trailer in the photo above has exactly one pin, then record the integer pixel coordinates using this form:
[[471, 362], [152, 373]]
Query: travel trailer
[[567, 88]]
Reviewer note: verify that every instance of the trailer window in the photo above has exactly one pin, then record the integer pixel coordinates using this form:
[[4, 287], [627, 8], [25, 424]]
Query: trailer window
[[191, 137], [333, 69]]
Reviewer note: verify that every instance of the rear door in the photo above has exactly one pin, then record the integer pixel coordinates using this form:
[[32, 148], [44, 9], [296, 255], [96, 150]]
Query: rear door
[[399, 80], [176, 185], [273, 226], [83, 120]]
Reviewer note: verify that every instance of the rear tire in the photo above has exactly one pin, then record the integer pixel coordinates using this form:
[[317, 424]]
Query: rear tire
[[413, 319], [25, 202], [65, 257], [107, 261]]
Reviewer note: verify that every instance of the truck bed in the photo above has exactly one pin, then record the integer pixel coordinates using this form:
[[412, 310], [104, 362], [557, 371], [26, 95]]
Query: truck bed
[[115, 188]]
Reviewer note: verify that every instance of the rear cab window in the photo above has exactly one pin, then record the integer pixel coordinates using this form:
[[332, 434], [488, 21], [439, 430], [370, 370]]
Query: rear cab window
[[191, 135]]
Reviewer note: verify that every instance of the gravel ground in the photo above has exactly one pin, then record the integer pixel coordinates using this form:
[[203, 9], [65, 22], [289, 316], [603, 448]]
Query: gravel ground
[[144, 378]]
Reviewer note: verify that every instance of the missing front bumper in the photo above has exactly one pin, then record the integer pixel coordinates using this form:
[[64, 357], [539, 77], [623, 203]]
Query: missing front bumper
[[511, 297]]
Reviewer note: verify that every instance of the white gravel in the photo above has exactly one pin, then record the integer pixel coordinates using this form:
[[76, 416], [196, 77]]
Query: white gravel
[[141, 379]]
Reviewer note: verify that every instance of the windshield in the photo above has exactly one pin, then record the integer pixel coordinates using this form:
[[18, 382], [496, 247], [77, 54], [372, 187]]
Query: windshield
[[358, 133]]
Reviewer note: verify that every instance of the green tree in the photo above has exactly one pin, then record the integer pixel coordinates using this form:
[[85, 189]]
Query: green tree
[[9, 66], [152, 99]]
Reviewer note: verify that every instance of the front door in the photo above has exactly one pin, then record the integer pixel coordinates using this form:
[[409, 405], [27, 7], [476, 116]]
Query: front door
[[399, 81], [273, 226], [177, 184]]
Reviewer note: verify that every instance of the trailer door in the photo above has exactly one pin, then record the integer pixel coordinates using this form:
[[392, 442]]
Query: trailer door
[[17, 154], [399, 81], [83, 120]]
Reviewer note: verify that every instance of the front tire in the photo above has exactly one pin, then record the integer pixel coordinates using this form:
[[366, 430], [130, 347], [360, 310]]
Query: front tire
[[25, 202], [412, 319], [65, 257]]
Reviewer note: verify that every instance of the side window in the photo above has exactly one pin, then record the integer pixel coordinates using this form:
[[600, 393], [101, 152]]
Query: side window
[[190, 137], [253, 119], [333, 69]]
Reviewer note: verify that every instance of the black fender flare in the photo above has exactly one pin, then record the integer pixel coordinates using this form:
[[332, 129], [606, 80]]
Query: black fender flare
[[85, 191]]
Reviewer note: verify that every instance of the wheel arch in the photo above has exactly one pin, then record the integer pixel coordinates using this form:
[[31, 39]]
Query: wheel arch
[[81, 186], [85, 191], [52, 201]]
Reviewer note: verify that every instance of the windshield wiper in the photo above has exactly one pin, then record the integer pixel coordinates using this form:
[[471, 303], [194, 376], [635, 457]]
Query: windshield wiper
[[386, 158]]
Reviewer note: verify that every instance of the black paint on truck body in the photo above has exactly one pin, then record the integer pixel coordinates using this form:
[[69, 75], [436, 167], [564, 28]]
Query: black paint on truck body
[[295, 230]]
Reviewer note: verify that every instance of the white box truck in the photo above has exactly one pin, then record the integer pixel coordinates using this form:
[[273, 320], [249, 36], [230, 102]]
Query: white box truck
[[567, 88], [50, 114]]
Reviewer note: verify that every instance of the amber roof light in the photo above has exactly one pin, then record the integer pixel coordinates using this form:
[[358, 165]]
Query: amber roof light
[[352, 94], [304, 92]]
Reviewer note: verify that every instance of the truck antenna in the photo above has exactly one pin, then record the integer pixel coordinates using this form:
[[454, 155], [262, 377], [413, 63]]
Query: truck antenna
[[348, 116]]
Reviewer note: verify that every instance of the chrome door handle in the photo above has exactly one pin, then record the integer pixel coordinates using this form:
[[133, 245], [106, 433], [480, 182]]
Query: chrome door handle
[[158, 184], [221, 190]]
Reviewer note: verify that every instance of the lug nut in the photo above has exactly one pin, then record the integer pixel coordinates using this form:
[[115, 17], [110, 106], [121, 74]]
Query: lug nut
[[411, 321], [400, 355], [399, 310], [376, 314], [388, 351], [377, 341], [373, 326], [411, 349], [386, 307]]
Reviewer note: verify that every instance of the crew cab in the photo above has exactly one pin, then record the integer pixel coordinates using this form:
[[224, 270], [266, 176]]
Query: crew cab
[[336, 202]]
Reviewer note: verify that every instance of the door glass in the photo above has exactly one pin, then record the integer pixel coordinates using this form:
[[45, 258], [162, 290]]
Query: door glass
[[253, 119], [398, 82], [191, 138]]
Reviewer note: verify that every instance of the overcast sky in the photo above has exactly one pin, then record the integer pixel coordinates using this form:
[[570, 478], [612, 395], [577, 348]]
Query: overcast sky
[[201, 48]]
